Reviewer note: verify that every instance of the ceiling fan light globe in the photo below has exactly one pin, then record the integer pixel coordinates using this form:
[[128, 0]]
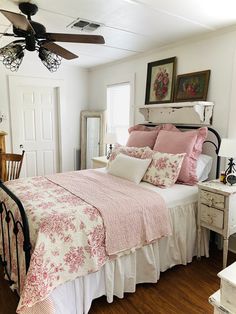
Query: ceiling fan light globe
[[12, 56], [49, 59], [12, 64]]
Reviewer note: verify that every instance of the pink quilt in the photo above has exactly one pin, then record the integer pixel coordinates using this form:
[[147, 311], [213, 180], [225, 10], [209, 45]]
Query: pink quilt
[[126, 227], [67, 231]]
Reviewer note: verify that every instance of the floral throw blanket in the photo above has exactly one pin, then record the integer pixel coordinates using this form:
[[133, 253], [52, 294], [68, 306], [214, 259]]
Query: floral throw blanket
[[67, 237]]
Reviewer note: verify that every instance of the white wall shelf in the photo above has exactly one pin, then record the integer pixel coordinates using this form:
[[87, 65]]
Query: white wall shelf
[[196, 112]]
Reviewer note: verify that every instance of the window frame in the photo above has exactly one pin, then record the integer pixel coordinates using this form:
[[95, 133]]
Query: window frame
[[131, 102]]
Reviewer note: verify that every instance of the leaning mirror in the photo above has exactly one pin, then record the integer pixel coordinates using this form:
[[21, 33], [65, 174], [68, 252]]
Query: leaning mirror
[[91, 136]]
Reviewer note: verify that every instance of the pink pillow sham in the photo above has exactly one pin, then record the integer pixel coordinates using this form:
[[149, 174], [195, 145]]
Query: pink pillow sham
[[142, 135], [189, 142], [142, 138], [169, 127], [139, 127]]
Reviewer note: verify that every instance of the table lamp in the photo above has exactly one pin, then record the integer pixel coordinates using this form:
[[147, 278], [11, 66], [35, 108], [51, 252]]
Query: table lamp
[[228, 149], [109, 139]]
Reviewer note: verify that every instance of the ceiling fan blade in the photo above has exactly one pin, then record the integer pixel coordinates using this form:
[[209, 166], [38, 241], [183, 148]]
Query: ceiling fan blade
[[75, 38], [6, 34], [18, 20], [60, 51]]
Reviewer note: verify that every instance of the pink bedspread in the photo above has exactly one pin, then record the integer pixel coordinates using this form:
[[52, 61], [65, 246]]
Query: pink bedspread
[[67, 231], [132, 216]]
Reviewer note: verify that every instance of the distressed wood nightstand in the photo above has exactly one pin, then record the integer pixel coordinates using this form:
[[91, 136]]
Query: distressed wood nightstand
[[217, 212], [99, 162]]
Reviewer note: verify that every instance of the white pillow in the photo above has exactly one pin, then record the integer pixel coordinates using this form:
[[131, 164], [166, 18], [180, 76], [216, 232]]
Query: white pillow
[[129, 168], [204, 164]]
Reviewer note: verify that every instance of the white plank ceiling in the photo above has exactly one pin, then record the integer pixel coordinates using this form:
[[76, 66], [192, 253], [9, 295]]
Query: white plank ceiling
[[129, 26]]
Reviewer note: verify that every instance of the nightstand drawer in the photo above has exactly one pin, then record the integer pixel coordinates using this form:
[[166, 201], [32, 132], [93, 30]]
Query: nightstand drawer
[[212, 216], [98, 164], [212, 199]]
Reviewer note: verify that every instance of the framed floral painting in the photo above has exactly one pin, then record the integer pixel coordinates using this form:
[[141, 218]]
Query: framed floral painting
[[160, 81], [192, 86]]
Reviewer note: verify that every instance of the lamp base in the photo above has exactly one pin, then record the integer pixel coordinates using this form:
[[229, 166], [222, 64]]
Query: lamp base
[[230, 169], [109, 152]]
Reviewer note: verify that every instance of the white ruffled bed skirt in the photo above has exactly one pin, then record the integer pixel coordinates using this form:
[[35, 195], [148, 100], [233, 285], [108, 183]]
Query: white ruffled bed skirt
[[143, 265]]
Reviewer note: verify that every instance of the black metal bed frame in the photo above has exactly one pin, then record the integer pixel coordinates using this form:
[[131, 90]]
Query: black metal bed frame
[[6, 216], [17, 225]]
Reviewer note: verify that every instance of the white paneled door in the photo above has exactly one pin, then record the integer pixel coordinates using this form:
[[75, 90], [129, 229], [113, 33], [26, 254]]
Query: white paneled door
[[34, 121]]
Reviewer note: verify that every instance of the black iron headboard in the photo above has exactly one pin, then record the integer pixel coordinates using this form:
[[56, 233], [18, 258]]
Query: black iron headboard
[[216, 142]]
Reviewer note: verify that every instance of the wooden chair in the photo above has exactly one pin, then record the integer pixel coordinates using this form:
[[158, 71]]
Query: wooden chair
[[10, 165]]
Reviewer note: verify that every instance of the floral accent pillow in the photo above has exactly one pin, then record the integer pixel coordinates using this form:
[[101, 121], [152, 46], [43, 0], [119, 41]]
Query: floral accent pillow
[[164, 169], [190, 142], [136, 152], [148, 153]]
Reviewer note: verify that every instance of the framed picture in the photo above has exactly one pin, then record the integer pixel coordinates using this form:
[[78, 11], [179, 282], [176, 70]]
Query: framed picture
[[160, 81], [192, 86]]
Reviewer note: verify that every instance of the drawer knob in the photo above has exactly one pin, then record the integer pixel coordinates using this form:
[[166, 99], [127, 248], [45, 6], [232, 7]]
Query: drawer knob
[[210, 218], [211, 201]]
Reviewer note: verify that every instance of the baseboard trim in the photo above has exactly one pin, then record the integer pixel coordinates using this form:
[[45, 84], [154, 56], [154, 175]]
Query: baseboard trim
[[232, 250]]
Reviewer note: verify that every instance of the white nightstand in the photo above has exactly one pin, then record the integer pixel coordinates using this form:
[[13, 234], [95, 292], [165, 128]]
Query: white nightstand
[[99, 162], [217, 211]]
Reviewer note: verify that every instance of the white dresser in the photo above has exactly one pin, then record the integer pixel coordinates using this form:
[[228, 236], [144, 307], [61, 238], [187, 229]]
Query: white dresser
[[224, 300]]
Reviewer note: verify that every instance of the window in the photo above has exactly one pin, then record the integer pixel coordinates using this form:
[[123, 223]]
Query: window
[[118, 111]]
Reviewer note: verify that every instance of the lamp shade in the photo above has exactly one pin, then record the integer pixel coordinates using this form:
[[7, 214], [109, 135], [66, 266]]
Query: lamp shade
[[227, 148], [110, 138]]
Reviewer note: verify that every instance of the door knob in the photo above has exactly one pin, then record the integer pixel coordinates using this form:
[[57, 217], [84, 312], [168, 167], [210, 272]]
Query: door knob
[[21, 146]]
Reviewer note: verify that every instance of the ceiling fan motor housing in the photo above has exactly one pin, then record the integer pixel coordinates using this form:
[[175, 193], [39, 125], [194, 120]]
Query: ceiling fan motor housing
[[38, 28], [31, 9], [30, 42]]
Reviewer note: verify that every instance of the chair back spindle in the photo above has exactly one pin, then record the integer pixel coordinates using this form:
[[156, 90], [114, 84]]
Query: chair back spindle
[[10, 166]]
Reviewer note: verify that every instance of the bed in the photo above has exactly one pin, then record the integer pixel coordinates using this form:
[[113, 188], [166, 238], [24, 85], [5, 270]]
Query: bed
[[108, 276]]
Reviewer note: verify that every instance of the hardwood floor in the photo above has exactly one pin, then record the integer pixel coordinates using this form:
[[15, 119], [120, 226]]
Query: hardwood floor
[[8, 299], [180, 290]]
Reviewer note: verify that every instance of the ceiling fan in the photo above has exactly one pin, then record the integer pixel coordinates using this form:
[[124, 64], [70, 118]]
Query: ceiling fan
[[35, 37]]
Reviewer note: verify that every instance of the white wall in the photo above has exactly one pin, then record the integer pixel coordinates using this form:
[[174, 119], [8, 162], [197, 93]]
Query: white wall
[[74, 100], [215, 52]]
